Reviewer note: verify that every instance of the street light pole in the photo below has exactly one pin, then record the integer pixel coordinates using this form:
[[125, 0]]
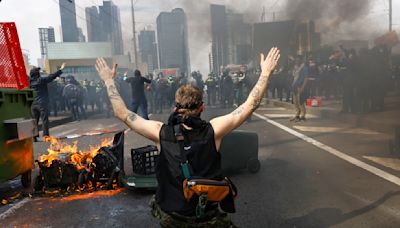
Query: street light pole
[[390, 15], [134, 35]]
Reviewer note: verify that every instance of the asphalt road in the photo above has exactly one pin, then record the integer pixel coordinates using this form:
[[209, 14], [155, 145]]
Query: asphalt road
[[318, 173]]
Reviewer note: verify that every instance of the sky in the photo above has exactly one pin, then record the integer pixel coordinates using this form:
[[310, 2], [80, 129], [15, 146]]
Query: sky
[[29, 15]]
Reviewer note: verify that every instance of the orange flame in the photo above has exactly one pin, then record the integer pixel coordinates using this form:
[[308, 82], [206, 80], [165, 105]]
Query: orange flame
[[70, 152]]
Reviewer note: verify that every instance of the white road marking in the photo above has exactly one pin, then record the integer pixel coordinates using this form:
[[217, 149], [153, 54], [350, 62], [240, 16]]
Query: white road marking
[[64, 133], [112, 125], [12, 209], [336, 129], [286, 116], [378, 172], [393, 163]]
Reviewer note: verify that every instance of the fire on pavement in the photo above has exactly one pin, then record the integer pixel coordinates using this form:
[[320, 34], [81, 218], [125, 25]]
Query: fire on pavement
[[66, 168]]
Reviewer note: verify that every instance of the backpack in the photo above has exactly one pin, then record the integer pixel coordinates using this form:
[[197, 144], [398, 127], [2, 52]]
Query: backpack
[[223, 191]]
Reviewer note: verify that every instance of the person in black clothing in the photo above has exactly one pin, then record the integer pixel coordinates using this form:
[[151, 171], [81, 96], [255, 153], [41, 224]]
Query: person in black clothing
[[138, 96], [227, 90], [349, 81], [39, 106], [202, 140]]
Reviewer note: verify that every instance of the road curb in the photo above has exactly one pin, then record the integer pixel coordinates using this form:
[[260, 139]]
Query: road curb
[[355, 120], [64, 120]]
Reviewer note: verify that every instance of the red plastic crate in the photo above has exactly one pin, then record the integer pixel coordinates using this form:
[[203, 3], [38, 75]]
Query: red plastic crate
[[12, 67]]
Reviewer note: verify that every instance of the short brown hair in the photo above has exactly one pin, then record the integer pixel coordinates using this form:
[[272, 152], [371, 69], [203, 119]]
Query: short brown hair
[[188, 100]]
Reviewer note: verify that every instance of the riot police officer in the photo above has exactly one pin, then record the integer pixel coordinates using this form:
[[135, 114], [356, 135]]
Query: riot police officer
[[211, 83]]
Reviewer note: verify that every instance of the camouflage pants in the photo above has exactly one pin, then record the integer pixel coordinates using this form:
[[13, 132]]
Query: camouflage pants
[[217, 218]]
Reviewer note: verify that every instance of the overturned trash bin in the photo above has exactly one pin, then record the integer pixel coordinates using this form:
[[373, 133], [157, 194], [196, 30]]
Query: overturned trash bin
[[102, 166]]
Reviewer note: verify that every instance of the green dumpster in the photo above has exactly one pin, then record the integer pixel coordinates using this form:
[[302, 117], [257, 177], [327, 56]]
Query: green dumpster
[[16, 132]]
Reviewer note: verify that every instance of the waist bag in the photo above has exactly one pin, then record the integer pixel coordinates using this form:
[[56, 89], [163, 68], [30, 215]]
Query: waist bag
[[207, 190]]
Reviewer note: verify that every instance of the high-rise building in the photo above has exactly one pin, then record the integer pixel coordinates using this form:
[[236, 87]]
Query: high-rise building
[[94, 29], [69, 26], [111, 26], [172, 37], [81, 36], [239, 37], [148, 49], [46, 35], [219, 37], [104, 25]]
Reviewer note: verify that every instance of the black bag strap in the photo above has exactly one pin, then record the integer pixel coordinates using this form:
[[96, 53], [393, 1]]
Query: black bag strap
[[181, 141], [180, 138]]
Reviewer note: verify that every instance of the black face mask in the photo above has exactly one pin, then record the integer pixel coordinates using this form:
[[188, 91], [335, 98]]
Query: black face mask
[[190, 121], [35, 75]]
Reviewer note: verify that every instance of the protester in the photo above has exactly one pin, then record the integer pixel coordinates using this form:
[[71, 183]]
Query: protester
[[201, 139], [39, 106], [300, 74], [138, 97]]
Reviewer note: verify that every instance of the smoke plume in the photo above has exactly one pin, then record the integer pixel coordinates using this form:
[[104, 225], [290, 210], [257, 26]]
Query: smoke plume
[[337, 19]]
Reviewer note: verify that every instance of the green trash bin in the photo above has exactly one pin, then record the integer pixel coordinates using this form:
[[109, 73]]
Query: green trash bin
[[16, 131]]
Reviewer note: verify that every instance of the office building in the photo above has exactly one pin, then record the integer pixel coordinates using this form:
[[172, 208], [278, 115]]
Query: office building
[[46, 35], [239, 37], [81, 36], [148, 49], [111, 26], [104, 25], [94, 29], [69, 26], [219, 37], [172, 39]]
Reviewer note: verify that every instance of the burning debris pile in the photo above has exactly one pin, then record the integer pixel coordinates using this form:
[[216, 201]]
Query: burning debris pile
[[67, 168]]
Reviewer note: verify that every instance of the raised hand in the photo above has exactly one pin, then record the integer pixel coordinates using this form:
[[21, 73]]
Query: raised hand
[[269, 63], [104, 71], [63, 66]]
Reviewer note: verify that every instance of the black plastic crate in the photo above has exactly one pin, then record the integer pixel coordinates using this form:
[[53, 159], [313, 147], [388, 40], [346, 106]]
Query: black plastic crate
[[144, 160]]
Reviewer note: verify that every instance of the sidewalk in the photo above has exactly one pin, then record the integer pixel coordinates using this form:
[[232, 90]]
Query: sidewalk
[[63, 118], [386, 121]]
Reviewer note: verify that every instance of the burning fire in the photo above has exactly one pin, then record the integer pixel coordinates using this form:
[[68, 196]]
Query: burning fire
[[69, 153]]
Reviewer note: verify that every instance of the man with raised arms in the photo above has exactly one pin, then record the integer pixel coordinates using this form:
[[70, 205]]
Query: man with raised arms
[[202, 144]]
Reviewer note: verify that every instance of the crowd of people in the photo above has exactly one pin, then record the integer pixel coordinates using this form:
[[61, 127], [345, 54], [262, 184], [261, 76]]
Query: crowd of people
[[78, 97], [67, 94], [360, 79]]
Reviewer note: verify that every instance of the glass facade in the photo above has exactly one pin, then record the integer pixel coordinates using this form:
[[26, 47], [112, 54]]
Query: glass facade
[[79, 69]]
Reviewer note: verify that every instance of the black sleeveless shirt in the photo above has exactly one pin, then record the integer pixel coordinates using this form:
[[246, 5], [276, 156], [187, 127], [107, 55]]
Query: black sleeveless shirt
[[203, 158]]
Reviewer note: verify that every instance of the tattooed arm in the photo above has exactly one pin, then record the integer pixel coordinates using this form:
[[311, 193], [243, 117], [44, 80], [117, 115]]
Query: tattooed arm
[[148, 128], [224, 124]]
